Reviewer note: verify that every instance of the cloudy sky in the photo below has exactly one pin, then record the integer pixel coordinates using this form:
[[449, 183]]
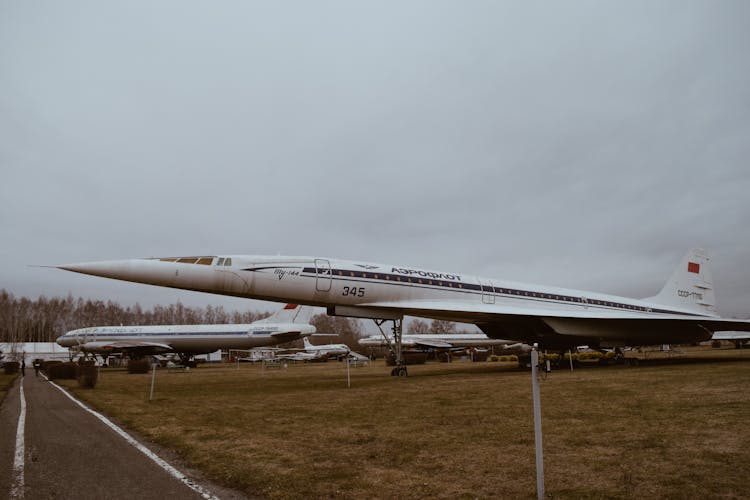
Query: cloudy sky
[[581, 144]]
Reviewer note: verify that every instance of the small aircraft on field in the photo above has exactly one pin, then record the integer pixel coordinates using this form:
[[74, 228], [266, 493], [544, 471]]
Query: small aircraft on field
[[317, 352], [436, 341]]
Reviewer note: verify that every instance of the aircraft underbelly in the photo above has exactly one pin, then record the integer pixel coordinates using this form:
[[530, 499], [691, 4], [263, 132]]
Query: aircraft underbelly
[[630, 332]]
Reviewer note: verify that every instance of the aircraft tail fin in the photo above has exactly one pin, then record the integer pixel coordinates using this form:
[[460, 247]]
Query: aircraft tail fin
[[291, 313], [690, 286], [307, 343]]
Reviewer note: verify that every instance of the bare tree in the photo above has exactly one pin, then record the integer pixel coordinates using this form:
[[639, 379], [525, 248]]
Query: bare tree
[[349, 330], [442, 327], [45, 319], [418, 326]]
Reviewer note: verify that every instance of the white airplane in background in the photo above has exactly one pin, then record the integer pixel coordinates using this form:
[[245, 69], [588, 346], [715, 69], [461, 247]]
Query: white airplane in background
[[316, 352], [288, 324], [556, 318], [330, 350], [436, 341], [739, 338]]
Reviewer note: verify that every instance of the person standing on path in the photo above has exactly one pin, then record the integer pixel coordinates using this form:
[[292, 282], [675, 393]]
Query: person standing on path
[[23, 366]]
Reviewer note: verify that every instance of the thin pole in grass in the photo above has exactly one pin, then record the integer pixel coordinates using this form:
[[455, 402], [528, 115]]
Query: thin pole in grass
[[348, 378], [570, 357], [153, 377], [537, 422]]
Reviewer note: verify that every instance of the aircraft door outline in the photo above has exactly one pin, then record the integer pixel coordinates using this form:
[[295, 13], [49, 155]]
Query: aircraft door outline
[[323, 275], [488, 292]]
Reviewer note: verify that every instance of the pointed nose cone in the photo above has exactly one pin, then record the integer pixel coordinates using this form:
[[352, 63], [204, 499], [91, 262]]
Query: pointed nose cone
[[149, 271], [117, 269], [63, 341]]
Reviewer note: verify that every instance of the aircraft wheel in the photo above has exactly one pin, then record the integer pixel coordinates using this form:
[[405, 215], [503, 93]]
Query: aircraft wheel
[[402, 371]]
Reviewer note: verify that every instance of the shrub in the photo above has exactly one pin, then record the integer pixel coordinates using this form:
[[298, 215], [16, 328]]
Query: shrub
[[11, 367], [506, 359], [46, 364], [138, 366], [478, 356], [61, 370], [88, 374], [494, 358]]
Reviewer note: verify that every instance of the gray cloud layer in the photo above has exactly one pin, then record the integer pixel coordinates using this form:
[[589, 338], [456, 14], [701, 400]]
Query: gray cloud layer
[[582, 144]]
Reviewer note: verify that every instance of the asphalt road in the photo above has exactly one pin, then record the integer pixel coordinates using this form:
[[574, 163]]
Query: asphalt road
[[69, 453]]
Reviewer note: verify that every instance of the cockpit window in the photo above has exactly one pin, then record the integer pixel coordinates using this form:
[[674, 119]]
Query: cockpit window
[[221, 262], [228, 261], [203, 260]]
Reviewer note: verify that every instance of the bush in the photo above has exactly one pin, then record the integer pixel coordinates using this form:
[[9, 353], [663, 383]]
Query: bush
[[509, 358], [58, 370], [88, 374], [479, 356], [11, 367], [494, 358], [138, 366], [46, 365]]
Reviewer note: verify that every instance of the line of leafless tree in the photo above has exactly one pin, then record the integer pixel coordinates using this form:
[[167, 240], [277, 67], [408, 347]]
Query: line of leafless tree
[[44, 319]]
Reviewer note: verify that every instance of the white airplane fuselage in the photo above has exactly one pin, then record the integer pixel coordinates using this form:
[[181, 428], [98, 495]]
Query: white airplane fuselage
[[502, 309], [331, 282], [435, 340], [185, 338]]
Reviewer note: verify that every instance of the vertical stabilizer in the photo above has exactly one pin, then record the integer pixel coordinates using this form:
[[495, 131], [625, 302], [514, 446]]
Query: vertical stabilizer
[[690, 285], [291, 313], [307, 343]]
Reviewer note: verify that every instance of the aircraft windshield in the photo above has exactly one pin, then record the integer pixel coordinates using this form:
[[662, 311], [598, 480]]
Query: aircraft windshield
[[205, 261]]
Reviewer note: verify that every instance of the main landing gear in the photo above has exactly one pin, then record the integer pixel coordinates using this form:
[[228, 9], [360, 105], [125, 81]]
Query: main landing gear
[[394, 345]]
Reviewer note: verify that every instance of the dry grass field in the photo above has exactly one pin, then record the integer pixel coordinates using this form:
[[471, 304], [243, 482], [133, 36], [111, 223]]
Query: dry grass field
[[460, 430], [5, 383]]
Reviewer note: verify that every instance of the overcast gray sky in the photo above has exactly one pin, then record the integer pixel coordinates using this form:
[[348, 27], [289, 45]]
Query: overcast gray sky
[[581, 144]]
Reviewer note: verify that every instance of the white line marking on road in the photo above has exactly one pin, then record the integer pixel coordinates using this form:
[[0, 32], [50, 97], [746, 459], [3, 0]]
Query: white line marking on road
[[17, 486], [150, 454]]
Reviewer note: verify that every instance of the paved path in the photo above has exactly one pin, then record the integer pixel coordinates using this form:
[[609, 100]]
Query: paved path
[[69, 453]]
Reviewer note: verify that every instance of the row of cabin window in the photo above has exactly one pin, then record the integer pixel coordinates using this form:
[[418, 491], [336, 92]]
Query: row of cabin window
[[421, 281]]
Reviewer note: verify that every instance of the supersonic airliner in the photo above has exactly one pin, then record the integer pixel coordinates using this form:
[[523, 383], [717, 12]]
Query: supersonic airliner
[[556, 318]]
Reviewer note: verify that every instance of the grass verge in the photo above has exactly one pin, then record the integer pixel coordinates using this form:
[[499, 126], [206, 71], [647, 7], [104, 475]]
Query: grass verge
[[460, 430], [5, 382]]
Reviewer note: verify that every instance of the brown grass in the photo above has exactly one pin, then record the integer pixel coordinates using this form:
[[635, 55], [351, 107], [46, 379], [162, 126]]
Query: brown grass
[[5, 382], [457, 430]]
